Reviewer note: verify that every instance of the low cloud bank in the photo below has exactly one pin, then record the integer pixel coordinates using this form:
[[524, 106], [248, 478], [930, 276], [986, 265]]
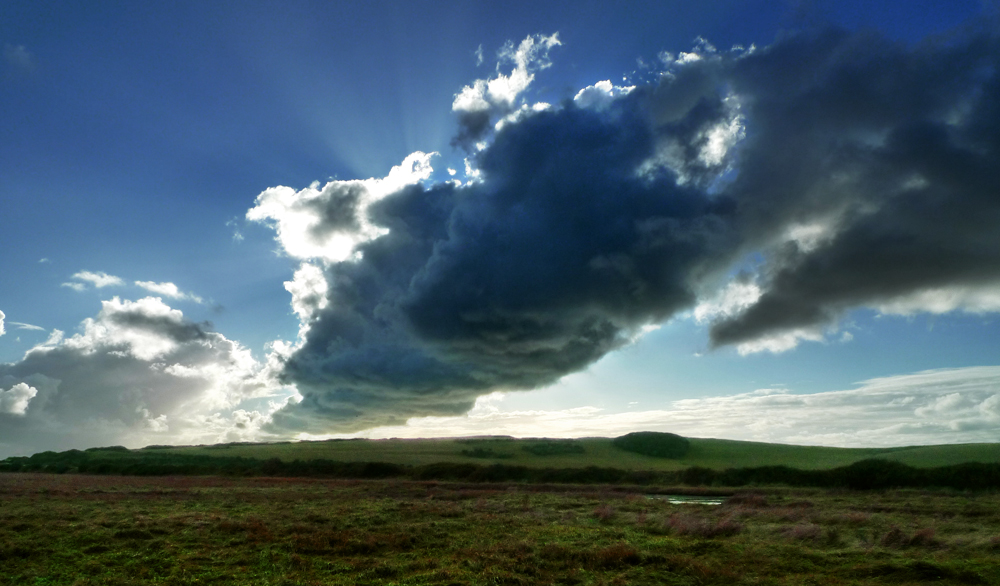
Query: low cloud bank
[[940, 406]]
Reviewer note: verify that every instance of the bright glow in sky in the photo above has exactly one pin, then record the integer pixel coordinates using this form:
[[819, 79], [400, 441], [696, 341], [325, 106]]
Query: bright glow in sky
[[750, 220]]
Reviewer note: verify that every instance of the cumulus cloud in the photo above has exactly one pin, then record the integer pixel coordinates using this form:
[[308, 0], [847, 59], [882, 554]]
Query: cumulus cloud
[[600, 95], [829, 171], [485, 101], [14, 401], [138, 372], [329, 223], [99, 280], [168, 290], [940, 406], [2, 316], [559, 253]]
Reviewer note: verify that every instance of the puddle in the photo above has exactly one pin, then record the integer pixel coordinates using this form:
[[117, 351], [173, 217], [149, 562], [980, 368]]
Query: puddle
[[683, 499]]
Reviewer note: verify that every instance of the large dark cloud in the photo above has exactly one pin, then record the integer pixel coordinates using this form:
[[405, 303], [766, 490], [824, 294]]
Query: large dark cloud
[[557, 256], [589, 221], [893, 149]]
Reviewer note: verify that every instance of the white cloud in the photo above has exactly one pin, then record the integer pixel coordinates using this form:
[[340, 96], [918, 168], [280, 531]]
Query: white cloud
[[600, 95], [781, 341], [502, 91], [23, 326], [932, 407], [739, 296], [309, 293], [147, 328], [720, 138], [99, 280], [234, 224], [732, 299], [54, 339], [327, 224], [137, 373], [809, 237], [14, 401], [2, 316], [980, 299], [168, 290]]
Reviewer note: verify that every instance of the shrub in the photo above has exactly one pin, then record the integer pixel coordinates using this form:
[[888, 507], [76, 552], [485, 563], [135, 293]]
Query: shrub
[[109, 449], [876, 474], [698, 476], [554, 447], [485, 453], [653, 443]]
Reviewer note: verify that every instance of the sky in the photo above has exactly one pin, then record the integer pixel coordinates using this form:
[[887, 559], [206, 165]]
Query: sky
[[259, 221]]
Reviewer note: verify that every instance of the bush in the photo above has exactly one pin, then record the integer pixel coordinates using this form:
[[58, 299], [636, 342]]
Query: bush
[[554, 448], [108, 449], [877, 474], [485, 453], [653, 443]]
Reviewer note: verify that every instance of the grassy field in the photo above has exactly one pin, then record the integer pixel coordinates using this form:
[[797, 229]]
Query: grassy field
[[84, 530], [708, 453]]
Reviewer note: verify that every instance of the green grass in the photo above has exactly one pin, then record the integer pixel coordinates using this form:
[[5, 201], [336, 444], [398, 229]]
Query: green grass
[[709, 453], [78, 530]]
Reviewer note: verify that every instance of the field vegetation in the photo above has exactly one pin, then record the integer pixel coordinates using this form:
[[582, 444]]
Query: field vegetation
[[83, 530]]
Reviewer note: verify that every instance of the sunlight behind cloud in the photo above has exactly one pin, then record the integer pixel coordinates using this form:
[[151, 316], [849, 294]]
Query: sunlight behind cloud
[[328, 223]]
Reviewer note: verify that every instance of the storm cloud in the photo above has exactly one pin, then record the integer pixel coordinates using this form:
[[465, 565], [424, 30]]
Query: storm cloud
[[884, 159], [826, 172]]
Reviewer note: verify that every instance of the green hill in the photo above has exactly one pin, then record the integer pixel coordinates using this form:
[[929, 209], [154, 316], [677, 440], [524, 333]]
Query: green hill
[[708, 453]]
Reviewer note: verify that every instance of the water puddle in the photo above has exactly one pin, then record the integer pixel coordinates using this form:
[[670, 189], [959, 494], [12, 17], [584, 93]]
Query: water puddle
[[683, 499]]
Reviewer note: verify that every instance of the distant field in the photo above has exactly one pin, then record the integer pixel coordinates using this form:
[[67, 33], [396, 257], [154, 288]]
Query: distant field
[[709, 453]]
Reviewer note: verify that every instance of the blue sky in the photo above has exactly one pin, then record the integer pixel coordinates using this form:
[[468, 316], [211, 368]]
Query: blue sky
[[159, 287]]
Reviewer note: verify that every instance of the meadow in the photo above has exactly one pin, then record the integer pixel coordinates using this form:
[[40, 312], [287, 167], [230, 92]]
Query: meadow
[[81, 530]]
